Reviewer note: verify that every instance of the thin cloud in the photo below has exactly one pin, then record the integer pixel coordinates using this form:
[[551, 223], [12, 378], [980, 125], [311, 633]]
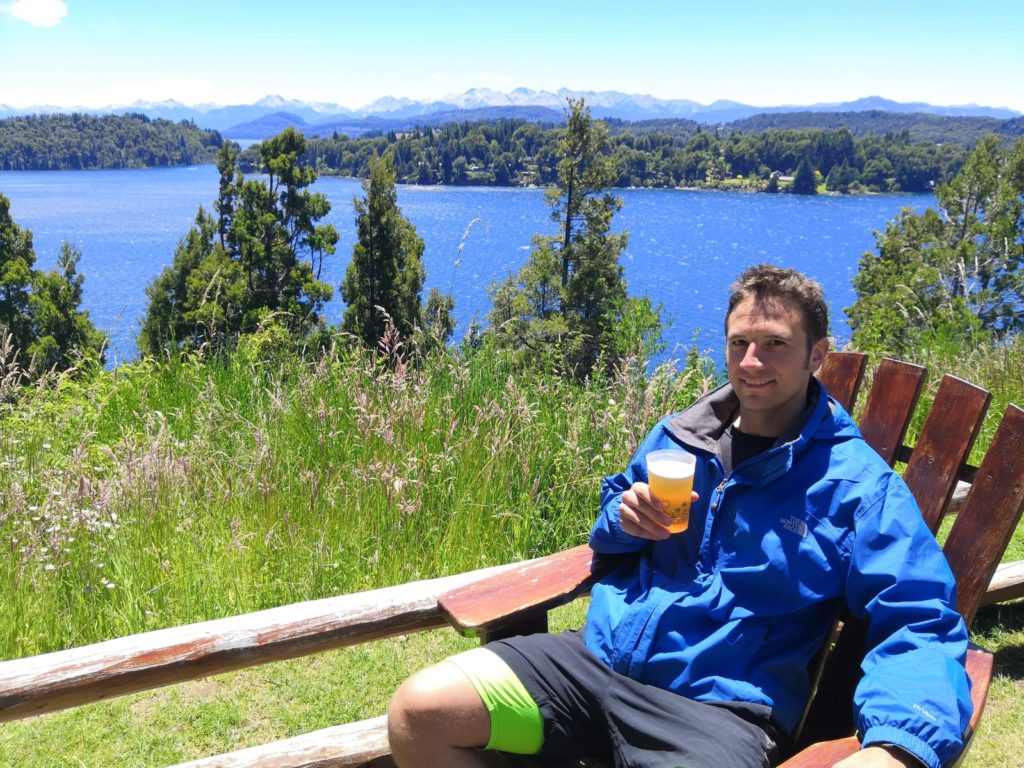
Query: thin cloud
[[38, 13]]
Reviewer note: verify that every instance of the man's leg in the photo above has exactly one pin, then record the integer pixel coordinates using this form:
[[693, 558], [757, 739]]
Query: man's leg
[[437, 718]]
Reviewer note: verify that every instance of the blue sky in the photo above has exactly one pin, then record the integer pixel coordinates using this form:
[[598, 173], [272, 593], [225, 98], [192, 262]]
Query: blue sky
[[101, 52]]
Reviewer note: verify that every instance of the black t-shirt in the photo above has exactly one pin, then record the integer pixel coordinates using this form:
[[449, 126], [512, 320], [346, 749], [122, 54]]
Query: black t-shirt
[[736, 446]]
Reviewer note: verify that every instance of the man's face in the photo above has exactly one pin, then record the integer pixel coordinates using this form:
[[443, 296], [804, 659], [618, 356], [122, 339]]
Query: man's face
[[769, 363]]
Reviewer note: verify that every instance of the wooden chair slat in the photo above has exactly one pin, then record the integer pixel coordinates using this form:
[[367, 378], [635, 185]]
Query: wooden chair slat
[[944, 444], [842, 374], [894, 392], [990, 514]]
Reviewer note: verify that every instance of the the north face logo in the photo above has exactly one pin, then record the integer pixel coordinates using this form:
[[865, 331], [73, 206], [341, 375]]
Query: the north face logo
[[794, 525]]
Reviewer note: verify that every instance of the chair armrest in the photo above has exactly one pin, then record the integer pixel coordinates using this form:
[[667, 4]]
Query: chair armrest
[[485, 607], [823, 754]]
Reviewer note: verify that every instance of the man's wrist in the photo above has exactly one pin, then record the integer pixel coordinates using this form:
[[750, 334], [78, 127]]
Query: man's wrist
[[904, 755]]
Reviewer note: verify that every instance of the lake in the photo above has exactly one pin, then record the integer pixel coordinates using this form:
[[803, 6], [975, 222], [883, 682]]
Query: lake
[[684, 246]]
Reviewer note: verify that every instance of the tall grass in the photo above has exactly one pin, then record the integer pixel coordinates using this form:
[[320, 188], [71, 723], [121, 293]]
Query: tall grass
[[162, 494]]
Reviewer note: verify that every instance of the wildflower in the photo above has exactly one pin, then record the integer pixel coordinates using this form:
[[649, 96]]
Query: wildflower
[[50, 567]]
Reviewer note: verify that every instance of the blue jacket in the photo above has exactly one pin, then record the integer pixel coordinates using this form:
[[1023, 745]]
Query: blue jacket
[[735, 607]]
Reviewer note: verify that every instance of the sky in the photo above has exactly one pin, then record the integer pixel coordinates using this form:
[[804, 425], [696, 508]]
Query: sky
[[95, 53]]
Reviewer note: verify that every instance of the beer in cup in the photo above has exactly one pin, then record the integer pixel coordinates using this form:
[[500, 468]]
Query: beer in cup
[[670, 477]]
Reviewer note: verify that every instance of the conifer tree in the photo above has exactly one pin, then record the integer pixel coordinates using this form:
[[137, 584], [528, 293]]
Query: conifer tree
[[804, 180], [41, 311], [567, 300], [259, 261], [386, 272]]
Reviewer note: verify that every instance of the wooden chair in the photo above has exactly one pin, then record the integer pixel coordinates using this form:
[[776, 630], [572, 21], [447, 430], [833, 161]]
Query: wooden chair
[[516, 601]]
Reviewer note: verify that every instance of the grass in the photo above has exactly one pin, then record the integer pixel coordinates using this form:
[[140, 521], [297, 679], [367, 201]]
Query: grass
[[162, 494]]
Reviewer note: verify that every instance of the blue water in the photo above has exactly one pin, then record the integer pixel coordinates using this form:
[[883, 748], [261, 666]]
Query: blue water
[[684, 246]]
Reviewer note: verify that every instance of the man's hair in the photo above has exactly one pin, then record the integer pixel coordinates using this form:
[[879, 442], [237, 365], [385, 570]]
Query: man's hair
[[765, 282]]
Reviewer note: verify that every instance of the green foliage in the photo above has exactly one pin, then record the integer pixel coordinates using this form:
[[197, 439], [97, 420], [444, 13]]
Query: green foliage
[[40, 316], [805, 182], [949, 276], [657, 153], [169, 492], [62, 333], [891, 126], [262, 256], [78, 141], [564, 304], [17, 263], [385, 278]]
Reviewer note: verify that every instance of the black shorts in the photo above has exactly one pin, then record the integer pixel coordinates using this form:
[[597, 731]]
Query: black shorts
[[590, 711]]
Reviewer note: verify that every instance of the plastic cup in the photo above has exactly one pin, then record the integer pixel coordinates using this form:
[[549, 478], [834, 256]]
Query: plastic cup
[[670, 477]]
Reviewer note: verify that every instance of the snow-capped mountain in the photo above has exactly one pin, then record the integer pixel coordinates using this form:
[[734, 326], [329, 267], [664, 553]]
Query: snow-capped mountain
[[603, 104]]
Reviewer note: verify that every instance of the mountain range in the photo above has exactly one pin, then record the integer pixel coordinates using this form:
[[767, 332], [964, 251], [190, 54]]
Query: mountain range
[[272, 114]]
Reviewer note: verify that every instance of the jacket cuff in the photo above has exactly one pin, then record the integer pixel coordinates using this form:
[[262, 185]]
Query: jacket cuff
[[886, 735]]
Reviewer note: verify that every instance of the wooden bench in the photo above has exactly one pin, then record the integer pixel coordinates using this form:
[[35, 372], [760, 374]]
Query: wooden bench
[[515, 598]]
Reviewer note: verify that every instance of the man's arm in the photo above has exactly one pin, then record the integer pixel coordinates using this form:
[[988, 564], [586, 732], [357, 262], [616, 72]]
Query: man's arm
[[914, 694]]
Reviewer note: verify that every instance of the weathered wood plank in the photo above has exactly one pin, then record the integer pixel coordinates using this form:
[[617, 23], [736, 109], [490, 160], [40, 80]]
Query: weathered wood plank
[[348, 746], [485, 606], [895, 389], [990, 515], [944, 444], [842, 374], [1007, 583], [77, 676]]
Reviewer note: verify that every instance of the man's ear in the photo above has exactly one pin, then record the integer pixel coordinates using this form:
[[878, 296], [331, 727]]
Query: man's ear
[[818, 352]]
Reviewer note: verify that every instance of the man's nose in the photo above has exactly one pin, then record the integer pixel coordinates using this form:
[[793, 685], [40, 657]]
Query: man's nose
[[750, 357]]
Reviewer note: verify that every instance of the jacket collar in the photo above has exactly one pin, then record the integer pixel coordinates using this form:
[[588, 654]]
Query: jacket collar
[[702, 424]]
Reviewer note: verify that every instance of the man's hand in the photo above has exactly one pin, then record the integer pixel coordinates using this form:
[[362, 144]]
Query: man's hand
[[641, 515], [879, 757]]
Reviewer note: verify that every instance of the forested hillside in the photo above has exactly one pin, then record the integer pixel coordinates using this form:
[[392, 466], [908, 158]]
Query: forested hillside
[[916, 126], [870, 151], [515, 152], [78, 141]]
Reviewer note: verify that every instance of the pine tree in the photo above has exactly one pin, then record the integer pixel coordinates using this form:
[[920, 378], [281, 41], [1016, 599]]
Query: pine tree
[[257, 262], [40, 311], [386, 272], [568, 298], [804, 180]]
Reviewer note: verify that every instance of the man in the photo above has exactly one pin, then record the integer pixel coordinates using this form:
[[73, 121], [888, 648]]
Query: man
[[696, 653]]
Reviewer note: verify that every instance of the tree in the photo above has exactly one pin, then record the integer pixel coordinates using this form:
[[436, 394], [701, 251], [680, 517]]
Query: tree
[[804, 181], [386, 272], [62, 333], [567, 297], [258, 262], [40, 310], [955, 273], [17, 262]]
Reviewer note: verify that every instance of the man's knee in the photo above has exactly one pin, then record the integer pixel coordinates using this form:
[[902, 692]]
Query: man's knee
[[413, 699], [430, 702]]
